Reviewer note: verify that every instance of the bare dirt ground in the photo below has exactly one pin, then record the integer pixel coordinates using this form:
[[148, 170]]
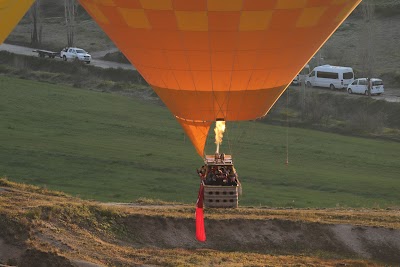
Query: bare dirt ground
[[37, 225]]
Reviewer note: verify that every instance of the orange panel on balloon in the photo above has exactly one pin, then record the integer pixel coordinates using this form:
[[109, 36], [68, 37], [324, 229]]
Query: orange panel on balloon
[[222, 60], [162, 19], [190, 5], [223, 21], [245, 60], [128, 4], [223, 41], [185, 80], [178, 60], [259, 4], [195, 40], [242, 105], [240, 79], [209, 59], [223, 82]]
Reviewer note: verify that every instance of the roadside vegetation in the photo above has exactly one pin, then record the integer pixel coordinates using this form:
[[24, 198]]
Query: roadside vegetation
[[337, 113], [111, 147], [76, 74]]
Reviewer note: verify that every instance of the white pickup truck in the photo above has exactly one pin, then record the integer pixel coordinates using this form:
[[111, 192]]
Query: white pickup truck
[[70, 53]]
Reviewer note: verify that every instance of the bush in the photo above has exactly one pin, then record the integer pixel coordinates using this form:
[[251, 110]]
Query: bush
[[77, 70], [363, 121], [336, 112], [116, 57]]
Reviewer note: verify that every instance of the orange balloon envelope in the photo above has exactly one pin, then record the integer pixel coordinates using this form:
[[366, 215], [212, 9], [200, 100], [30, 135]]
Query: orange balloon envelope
[[218, 59], [11, 12]]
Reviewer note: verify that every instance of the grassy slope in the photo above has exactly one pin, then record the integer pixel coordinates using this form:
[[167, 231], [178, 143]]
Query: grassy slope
[[114, 148]]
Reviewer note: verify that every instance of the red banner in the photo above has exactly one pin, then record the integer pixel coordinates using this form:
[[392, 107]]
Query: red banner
[[200, 230]]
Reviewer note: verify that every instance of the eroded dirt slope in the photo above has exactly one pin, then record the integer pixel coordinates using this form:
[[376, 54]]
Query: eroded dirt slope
[[53, 229]]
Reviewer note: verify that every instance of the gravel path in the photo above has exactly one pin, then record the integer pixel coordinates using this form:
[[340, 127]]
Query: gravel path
[[27, 51]]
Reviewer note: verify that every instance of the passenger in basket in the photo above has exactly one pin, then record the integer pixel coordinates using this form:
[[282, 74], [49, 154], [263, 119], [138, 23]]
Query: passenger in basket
[[232, 179], [202, 172]]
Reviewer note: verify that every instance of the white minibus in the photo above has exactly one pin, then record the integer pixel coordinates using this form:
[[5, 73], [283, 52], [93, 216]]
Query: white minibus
[[332, 77]]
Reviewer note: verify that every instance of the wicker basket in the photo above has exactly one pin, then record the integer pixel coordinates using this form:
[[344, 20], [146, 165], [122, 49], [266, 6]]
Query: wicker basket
[[219, 196]]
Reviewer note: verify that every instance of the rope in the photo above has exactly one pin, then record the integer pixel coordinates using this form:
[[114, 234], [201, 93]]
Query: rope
[[287, 127], [229, 141], [242, 134]]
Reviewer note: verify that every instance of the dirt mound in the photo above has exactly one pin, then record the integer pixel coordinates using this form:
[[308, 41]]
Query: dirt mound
[[34, 257], [267, 236]]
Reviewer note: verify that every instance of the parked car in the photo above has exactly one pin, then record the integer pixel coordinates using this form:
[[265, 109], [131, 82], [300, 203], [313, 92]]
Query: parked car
[[333, 77], [75, 53], [360, 86], [296, 81], [300, 78]]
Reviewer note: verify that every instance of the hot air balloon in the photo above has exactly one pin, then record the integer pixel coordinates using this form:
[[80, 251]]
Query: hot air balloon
[[11, 12], [211, 60], [218, 59]]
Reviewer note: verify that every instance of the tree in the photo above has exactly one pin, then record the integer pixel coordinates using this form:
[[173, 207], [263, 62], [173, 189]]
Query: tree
[[367, 39], [70, 13], [37, 27]]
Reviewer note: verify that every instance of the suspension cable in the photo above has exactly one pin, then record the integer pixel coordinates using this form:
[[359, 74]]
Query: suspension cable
[[287, 127]]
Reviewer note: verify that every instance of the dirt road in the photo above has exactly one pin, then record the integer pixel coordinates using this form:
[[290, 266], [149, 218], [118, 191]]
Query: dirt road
[[27, 51], [390, 94]]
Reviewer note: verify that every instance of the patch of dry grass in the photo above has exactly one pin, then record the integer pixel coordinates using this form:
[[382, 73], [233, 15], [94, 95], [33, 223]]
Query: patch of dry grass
[[85, 230]]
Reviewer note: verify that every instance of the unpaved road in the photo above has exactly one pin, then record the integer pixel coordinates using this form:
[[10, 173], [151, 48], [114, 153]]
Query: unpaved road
[[27, 51], [390, 95]]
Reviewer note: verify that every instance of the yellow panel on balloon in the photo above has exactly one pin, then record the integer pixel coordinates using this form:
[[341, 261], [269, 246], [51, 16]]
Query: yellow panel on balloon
[[11, 12]]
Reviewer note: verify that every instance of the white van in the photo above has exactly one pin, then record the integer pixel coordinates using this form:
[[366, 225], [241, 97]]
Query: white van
[[360, 86], [332, 77]]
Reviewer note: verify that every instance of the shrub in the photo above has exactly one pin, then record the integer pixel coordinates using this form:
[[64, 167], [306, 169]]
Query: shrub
[[363, 121], [116, 57]]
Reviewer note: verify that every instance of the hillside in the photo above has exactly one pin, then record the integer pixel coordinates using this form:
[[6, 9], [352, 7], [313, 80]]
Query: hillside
[[110, 147], [343, 48], [45, 227], [95, 171]]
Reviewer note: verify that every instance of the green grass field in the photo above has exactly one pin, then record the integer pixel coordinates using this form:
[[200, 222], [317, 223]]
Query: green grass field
[[114, 148]]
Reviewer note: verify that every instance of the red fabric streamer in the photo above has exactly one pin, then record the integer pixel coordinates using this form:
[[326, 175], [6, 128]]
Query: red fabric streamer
[[200, 230]]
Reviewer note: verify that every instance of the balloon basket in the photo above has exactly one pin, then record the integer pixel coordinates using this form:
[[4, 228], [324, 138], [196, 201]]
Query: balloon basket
[[219, 196]]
